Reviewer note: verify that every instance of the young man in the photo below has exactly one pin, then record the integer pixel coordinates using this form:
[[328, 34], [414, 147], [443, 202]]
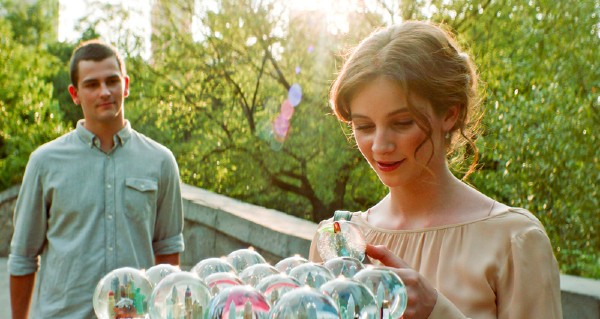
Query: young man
[[98, 198]]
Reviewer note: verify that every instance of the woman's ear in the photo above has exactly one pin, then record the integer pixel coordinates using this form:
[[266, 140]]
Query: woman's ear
[[451, 117]]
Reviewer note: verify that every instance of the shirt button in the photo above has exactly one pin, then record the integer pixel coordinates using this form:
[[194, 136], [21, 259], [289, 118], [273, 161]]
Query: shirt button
[[109, 216], [108, 186], [110, 248]]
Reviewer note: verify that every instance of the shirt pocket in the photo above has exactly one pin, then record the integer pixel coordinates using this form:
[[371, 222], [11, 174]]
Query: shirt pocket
[[140, 198]]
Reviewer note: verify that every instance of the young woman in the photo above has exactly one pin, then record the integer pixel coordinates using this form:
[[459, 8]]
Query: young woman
[[410, 96]]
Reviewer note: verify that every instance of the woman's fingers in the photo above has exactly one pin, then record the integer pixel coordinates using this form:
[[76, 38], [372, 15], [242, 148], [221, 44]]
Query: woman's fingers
[[385, 256]]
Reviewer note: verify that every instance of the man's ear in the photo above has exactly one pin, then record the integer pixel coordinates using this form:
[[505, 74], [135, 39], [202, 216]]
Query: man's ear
[[73, 93], [126, 92], [451, 117]]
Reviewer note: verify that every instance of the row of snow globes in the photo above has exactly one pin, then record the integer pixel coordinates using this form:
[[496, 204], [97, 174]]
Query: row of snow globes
[[243, 285]]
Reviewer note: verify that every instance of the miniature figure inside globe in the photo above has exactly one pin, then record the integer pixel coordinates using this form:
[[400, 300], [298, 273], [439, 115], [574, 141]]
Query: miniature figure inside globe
[[179, 295], [212, 265], [157, 272], [243, 258], [340, 238], [287, 264], [122, 293], [311, 274], [253, 274], [388, 289], [344, 266], [275, 286], [353, 298], [239, 302], [222, 280], [305, 302]]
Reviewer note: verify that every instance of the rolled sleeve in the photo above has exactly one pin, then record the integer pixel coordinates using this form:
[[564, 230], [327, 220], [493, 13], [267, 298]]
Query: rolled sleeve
[[21, 266], [168, 232], [169, 245], [29, 223]]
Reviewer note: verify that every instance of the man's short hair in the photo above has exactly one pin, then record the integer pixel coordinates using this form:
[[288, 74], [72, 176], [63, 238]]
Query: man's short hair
[[95, 50]]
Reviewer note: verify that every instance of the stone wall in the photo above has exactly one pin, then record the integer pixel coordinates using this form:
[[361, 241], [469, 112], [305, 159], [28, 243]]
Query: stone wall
[[7, 206]]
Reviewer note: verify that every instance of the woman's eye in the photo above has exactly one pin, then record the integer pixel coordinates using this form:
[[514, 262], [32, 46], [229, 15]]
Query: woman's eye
[[403, 123], [362, 127]]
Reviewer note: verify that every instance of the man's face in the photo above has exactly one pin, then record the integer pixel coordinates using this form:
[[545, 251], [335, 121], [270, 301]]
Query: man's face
[[101, 91]]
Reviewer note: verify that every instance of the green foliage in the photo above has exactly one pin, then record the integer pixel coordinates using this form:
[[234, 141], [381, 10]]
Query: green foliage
[[28, 114]]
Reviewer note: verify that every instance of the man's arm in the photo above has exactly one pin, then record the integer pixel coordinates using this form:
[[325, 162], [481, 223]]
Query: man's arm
[[172, 259], [21, 289]]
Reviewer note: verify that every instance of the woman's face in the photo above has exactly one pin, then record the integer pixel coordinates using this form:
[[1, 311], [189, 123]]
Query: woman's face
[[388, 136]]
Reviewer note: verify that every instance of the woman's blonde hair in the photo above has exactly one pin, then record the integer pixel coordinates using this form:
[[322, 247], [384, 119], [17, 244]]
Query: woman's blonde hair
[[423, 59]]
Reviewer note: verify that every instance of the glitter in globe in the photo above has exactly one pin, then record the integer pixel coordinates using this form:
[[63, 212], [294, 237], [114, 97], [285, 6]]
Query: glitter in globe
[[239, 302], [210, 266], [122, 293], [353, 298], [275, 286], [340, 238], [222, 280], [311, 274], [179, 295], [253, 274], [157, 272], [295, 94], [388, 289], [242, 258], [306, 303], [287, 264], [344, 266]]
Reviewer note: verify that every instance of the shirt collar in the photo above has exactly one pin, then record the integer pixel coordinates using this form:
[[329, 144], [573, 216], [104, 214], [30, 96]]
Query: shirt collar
[[90, 139]]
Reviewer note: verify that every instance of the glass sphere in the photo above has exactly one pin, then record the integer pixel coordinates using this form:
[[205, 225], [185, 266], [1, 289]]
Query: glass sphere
[[344, 266], [253, 274], [122, 293], [157, 272], [239, 302], [287, 264], [388, 288], [179, 295], [340, 238], [305, 302], [212, 265], [222, 280], [353, 298], [243, 258], [275, 286], [311, 274]]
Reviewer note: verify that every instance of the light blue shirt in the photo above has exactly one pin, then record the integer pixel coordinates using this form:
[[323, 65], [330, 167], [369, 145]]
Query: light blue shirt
[[86, 212]]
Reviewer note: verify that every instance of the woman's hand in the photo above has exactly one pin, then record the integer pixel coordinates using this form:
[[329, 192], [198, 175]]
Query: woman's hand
[[421, 294]]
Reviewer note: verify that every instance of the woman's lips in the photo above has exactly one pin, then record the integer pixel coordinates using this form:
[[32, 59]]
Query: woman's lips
[[388, 166]]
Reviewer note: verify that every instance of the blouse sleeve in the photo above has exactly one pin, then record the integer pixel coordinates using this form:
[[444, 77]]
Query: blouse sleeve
[[444, 309], [529, 283]]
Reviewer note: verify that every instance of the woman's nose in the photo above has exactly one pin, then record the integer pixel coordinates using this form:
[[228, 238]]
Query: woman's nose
[[382, 142]]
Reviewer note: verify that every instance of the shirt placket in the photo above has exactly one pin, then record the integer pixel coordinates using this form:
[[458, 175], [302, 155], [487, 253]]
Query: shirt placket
[[110, 212]]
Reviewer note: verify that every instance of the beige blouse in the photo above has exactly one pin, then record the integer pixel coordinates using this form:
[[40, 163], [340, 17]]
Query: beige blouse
[[500, 266]]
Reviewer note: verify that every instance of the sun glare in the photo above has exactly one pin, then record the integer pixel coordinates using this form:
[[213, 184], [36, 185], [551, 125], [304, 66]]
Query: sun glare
[[336, 11]]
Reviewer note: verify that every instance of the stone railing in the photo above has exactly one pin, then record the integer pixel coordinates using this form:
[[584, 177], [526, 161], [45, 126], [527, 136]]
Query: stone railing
[[216, 225]]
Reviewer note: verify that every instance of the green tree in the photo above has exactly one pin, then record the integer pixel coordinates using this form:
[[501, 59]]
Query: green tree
[[213, 101], [28, 114]]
